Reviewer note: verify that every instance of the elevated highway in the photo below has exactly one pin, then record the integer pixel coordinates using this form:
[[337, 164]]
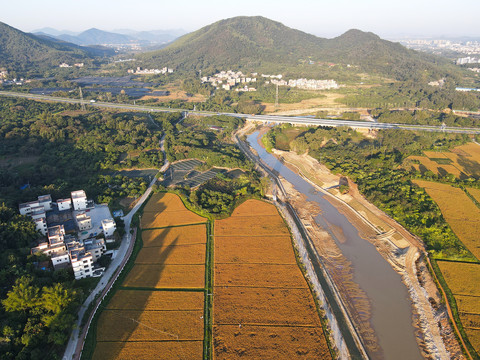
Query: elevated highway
[[267, 119]]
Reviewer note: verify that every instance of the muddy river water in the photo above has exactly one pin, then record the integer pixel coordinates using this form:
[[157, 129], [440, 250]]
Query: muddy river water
[[390, 305]]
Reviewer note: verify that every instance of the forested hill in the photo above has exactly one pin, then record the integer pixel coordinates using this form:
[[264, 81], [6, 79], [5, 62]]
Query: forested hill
[[23, 52], [260, 44]]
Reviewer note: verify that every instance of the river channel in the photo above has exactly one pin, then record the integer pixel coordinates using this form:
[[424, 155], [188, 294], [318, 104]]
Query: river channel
[[391, 308]]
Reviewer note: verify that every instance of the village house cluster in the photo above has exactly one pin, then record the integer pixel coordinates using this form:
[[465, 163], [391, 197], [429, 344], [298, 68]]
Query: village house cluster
[[76, 229], [140, 71], [65, 65], [307, 84], [229, 79]]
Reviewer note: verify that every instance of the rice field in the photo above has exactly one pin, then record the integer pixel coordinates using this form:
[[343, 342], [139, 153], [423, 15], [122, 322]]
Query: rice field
[[463, 280], [184, 235], [475, 193], [151, 325], [462, 161], [148, 350], [166, 276], [244, 249], [263, 307], [164, 210], [155, 314], [269, 342], [156, 300], [459, 211]]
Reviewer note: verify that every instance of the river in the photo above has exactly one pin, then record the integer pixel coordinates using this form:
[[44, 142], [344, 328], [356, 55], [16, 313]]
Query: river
[[391, 308]]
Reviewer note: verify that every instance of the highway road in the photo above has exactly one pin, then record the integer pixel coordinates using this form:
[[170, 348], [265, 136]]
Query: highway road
[[268, 119]]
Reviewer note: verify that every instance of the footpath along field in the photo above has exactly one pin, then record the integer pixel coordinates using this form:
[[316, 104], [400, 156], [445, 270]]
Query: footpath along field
[[463, 279], [263, 307], [158, 312]]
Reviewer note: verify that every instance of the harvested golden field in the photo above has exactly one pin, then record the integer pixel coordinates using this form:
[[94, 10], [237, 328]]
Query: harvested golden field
[[267, 225], [462, 278], [475, 193], [133, 325], [268, 342], [257, 282], [166, 276], [167, 209], [461, 213], [255, 208], [183, 235], [468, 303], [156, 300], [474, 338], [462, 161], [172, 254], [151, 220], [264, 306], [244, 249], [259, 275], [164, 350]]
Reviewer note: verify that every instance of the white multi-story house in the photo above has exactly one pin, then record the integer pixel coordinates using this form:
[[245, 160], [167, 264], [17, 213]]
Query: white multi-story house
[[45, 201], [82, 262], [60, 260], [96, 247], [64, 204], [79, 199], [109, 227], [84, 222], [56, 234], [41, 225]]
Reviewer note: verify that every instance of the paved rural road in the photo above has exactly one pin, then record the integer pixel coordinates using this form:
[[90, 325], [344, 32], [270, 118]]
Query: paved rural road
[[260, 118], [75, 343]]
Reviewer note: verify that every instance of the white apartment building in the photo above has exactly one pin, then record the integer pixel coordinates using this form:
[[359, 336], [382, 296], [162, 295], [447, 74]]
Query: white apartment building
[[79, 199], [64, 204], [84, 222], [109, 227]]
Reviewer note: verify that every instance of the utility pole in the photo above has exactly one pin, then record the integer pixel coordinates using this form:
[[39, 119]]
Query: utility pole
[[81, 99], [276, 97]]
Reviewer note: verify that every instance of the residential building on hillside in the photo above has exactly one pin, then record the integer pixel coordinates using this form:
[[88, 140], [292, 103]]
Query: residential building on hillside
[[64, 204], [84, 222], [79, 199], [109, 227]]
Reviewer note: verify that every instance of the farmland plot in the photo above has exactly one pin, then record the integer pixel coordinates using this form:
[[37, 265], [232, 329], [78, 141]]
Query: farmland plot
[[156, 315], [463, 280], [263, 307], [460, 212]]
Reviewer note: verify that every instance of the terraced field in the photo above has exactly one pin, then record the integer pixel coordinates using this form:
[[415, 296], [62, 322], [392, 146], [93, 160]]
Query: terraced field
[[461, 213], [159, 311], [263, 307], [463, 280], [462, 161]]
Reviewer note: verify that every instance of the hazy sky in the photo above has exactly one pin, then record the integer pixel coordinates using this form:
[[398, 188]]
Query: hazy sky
[[320, 17]]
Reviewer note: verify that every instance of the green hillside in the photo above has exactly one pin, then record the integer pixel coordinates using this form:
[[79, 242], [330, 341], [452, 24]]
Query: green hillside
[[22, 52], [259, 44]]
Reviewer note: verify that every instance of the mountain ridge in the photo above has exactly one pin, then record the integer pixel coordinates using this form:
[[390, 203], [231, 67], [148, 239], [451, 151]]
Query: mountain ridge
[[258, 44]]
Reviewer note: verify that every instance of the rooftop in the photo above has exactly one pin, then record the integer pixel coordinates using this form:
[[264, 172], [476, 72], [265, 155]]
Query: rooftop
[[43, 198], [78, 194]]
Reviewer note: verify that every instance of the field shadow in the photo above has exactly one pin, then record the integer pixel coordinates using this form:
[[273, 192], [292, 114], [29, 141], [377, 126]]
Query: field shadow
[[126, 325], [471, 166]]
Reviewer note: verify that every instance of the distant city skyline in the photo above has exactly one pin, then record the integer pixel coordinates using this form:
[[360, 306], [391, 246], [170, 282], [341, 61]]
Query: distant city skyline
[[425, 18]]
